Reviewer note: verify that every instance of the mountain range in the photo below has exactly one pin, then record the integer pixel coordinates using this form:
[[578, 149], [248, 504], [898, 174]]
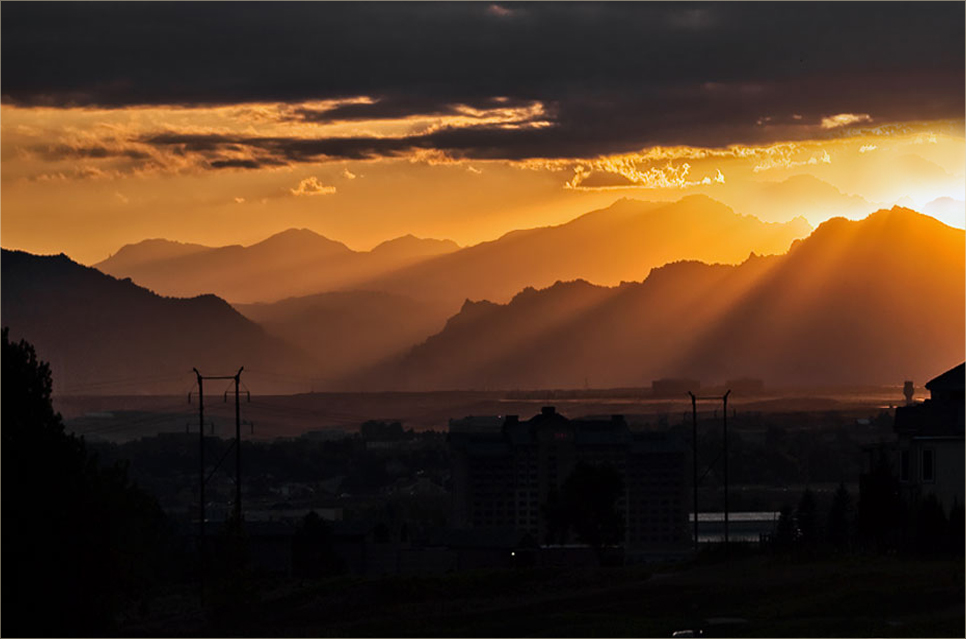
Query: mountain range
[[367, 307], [621, 242], [878, 300], [800, 195], [617, 297], [291, 263]]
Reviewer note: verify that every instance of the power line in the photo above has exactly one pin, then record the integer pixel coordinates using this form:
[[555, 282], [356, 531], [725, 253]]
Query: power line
[[724, 453], [125, 381], [157, 416], [201, 463]]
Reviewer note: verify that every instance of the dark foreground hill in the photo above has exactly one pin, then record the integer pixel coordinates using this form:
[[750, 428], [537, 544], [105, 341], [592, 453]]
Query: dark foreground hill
[[104, 335], [878, 300]]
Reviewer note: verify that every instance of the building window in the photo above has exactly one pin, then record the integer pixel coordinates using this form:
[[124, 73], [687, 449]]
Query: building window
[[904, 465], [928, 469]]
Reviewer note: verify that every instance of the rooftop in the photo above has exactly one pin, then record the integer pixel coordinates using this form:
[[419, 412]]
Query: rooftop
[[952, 380]]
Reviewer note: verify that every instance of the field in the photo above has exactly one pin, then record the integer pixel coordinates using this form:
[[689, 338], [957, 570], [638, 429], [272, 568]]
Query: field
[[750, 596]]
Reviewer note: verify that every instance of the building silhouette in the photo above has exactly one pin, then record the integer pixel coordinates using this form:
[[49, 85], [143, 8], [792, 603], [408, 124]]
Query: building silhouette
[[931, 443], [503, 478]]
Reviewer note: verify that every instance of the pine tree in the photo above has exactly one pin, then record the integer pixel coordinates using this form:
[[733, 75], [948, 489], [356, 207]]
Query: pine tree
[[839, 529]]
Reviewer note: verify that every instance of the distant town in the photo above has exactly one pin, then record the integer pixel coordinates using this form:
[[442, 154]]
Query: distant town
[[478, 492]]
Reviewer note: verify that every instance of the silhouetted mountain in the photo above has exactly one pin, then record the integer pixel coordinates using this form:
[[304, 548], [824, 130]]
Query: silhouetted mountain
[[799, 195], [806, 194], [290, 263], [346, 331], [104, 335], [873, 301], [148, 252], [946, 208], [621, 242], [410, 246]]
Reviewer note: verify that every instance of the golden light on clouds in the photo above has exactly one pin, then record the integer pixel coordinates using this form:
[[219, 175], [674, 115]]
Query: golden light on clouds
[[844, 119], [183, 173], [312, 186]]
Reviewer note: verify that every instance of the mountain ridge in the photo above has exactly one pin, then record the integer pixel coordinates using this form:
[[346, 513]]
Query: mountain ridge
[[857, 301], [291, 263], [95, 329]]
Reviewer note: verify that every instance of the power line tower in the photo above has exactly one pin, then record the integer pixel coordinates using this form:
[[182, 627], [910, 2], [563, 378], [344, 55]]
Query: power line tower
[[202, 480], [724, 453]]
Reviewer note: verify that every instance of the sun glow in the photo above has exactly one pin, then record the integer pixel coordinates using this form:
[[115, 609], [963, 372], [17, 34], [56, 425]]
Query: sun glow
[[132, 165]]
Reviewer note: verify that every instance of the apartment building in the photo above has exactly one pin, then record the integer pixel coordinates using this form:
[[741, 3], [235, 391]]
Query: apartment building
[[503, 478]]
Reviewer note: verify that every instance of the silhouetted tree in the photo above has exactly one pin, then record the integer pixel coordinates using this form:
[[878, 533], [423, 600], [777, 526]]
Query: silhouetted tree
[[839, 527], [880, 512], [313, 554], [785, 534], [957, 519], [233, 592], [381, 533], [931, 526], [80, 541], [806, 520], [590, 495]]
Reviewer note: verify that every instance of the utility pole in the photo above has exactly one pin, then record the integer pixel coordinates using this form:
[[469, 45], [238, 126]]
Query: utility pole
[[724, 417], [202, 480], [694, 456], [238, 510], [694, 444]]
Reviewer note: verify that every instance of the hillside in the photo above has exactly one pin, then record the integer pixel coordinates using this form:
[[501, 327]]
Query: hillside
[[104, 335]]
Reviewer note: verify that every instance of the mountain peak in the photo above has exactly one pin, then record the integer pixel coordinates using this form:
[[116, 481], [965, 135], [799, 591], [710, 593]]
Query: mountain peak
[[301, 239], [151, 250], [888, 230], [294, 232], [411, 246], [703, 199]]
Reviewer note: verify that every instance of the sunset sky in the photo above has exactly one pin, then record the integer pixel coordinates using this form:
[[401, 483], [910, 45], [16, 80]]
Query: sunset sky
[[225, 123]]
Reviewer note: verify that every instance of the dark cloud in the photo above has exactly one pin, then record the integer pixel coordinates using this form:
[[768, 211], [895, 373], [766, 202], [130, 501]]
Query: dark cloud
[[400, 106], [613, 76], [235, 164], [54, 152]]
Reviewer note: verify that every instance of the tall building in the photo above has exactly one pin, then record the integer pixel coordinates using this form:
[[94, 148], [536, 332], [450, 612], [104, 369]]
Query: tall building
[[502, 478]]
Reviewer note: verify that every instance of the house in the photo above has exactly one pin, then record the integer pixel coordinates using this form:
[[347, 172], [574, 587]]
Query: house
[[930, 442]]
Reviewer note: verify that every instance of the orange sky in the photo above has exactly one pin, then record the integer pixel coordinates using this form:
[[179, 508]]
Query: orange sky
[[87, 181]]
